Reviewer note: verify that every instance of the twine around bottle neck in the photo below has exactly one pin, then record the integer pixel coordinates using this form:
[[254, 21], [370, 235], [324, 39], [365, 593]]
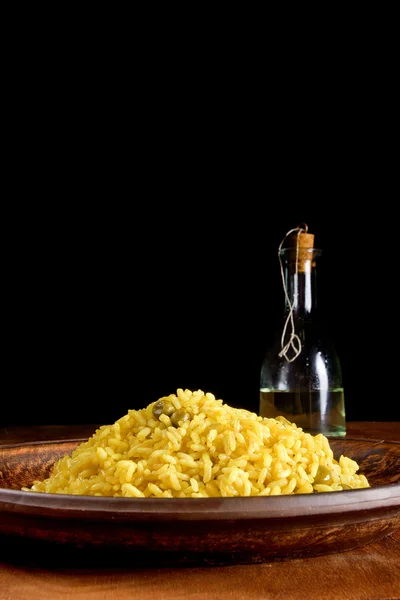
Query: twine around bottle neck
[[294, 343]]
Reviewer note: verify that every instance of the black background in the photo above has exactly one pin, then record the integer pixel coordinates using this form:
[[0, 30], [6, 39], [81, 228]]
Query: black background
[[145, 214], [113, 309]]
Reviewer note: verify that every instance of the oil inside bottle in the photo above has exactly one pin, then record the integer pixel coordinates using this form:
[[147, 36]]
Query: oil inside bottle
[[315, 411]]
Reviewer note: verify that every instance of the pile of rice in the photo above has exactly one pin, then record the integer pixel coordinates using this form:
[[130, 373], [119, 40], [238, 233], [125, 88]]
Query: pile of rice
[[215, 450]]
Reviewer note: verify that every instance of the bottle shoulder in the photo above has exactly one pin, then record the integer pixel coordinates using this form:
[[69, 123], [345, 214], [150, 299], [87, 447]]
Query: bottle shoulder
[[311, 360], [313, 338]]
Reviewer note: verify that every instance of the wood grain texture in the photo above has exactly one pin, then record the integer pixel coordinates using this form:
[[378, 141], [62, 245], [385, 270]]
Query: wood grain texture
[[370, 573]]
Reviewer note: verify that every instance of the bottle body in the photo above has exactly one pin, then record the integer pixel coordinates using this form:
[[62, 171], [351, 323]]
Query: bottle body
[[307, 388], [308, 391]]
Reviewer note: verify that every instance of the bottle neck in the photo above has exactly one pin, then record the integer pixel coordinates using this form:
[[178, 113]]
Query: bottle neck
[[301, 284], [302, 292]]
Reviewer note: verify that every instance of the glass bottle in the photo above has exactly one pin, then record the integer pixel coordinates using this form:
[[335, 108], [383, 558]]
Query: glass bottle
[[301, 377]]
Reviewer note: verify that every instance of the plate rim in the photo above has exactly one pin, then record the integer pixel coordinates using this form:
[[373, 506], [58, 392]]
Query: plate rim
[[380, 497]]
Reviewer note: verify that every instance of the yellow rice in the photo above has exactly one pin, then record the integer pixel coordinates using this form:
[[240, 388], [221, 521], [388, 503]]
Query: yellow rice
[[218, 451]]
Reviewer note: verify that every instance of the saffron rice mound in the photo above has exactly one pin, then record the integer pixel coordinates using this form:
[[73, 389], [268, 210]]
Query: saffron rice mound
[[191, 445]]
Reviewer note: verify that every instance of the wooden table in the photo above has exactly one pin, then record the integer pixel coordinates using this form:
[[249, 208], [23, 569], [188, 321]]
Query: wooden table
[[368, 573]]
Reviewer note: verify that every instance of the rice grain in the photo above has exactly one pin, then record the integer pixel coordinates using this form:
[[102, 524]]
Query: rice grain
[[217, 451]]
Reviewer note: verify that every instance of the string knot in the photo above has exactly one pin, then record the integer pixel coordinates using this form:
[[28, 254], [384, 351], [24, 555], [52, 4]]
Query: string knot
[[294, 343]]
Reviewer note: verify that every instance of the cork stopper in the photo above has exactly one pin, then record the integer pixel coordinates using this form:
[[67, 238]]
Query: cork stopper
[[305, 241]]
